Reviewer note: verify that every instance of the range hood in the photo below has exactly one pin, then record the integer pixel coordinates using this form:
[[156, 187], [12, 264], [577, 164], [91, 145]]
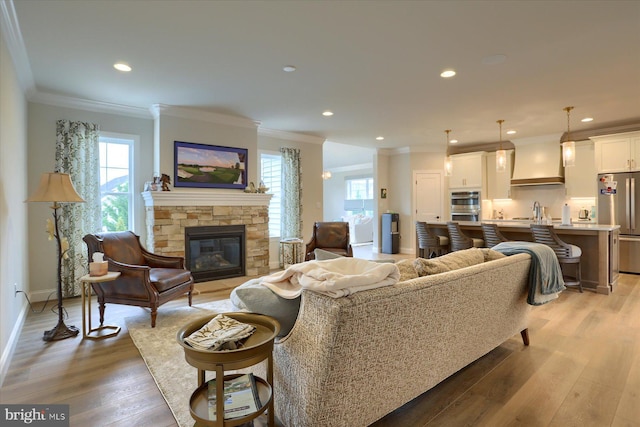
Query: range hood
[[538, 161]]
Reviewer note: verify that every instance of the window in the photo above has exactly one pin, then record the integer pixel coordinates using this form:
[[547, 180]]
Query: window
[[359, 196], [271, 175], [359, 188], [116, 182]]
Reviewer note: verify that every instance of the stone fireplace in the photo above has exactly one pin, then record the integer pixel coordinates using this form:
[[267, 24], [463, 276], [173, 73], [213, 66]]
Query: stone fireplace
[[170, 213]]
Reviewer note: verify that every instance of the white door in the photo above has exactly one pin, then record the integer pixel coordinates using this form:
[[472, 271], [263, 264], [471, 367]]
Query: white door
[[428, 197]]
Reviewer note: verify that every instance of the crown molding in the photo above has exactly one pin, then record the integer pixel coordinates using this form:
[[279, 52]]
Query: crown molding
[[291, 136], [351, 168], [158, 110], [15, 44], [89, 105], [607, 129]]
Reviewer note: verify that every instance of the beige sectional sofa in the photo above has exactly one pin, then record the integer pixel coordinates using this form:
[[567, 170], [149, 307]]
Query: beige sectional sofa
[[349, 361]]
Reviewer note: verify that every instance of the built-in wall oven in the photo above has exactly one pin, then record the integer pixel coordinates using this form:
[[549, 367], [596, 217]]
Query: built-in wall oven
[[465, 206]]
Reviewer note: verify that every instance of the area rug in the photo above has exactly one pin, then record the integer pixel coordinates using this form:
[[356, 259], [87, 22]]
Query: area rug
[[164, 357]]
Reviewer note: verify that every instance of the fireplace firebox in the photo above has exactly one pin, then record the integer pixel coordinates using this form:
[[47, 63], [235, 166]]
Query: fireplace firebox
[[215, 252]]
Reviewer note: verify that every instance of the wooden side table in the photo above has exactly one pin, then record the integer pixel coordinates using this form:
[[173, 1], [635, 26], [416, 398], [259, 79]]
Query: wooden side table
[[258, 347], [294, 247], [87, 332]]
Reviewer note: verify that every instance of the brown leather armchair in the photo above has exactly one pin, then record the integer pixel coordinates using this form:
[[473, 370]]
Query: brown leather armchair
[[146, 280], [329, 236]]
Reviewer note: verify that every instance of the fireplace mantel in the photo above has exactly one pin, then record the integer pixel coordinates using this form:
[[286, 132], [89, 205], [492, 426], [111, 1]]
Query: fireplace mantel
[[205, 198]]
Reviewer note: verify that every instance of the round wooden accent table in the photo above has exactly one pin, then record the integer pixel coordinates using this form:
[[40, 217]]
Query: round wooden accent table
[[258, 347]]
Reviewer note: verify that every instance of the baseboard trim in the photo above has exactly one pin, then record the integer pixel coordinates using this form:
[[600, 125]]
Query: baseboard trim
[[12, 342]]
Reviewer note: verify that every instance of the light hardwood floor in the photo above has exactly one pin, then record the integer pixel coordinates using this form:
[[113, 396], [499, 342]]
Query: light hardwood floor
[[581, 369]]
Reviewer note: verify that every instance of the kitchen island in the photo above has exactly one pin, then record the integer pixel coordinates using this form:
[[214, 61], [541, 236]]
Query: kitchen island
[[599, 243]]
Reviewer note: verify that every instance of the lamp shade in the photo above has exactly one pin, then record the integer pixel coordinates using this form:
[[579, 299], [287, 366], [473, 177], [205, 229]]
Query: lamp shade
[[501, 160], [568, 153], [448, 166], [55, 187]]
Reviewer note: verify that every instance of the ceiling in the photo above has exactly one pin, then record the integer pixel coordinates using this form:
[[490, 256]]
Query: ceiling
[[375, 64]]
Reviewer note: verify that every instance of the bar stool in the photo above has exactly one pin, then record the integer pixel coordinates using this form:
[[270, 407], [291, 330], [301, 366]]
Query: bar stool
[[458, 240], [492, 236], [429, 243], [566, 253]]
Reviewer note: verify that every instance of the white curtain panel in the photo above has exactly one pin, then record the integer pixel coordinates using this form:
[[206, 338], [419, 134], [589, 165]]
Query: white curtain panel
[[77, 153]]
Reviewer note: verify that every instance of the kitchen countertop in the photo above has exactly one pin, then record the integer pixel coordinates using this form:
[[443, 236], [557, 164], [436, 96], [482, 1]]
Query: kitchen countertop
[[518, 223], [599, 244]]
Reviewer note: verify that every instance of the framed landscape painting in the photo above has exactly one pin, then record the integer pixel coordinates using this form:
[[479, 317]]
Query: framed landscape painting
[[209, 166]]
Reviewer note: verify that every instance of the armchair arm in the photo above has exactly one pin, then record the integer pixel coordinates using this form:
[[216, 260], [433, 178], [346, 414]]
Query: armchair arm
[[133, 283], [310, 247], [162, 261]]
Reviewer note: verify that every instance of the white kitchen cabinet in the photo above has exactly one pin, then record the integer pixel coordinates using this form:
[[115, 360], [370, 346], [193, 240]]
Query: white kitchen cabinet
[[617, 153], [499, 183], [581, 180], [468, 171]]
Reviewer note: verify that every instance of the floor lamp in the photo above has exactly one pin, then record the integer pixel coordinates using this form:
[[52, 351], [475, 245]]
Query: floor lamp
[[57, 188]]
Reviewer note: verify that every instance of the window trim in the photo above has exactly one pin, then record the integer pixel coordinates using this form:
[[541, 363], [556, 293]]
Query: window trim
[[277, 154], [134, 155]]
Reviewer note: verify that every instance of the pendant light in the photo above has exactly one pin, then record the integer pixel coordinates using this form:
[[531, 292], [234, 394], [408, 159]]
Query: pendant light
[[501, 155], [448, 166], [568, 146]]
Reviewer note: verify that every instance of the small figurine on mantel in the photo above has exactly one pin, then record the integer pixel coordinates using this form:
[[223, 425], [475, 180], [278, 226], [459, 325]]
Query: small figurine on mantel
[[263, 188], [165, 180], [251, 188]]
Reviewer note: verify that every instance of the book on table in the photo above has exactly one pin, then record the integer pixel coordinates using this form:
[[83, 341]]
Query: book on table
[[240, 397]]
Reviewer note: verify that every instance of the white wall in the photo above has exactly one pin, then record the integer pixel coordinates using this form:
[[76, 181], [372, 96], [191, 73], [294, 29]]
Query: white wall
[[13, 210], [41, 155], [399, 198], [201, 130]]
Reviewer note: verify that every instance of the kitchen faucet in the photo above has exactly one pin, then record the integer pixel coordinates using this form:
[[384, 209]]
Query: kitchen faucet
[[537, 212]]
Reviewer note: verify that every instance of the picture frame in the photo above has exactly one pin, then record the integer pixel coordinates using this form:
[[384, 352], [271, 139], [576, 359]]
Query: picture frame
[[383, 193], [209, 166]]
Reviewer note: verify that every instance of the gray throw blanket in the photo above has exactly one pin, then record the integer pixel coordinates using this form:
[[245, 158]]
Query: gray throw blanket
[[545, 275]]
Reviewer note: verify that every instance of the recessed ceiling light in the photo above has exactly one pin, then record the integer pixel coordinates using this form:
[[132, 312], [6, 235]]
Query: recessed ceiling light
[[121, 66], [587, 119], [289, 68], [327, 113], [511, 132], [379, 138], [447, 73], [453, 141]]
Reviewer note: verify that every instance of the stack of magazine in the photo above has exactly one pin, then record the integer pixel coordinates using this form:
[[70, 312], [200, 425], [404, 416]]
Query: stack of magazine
[[240, 397]]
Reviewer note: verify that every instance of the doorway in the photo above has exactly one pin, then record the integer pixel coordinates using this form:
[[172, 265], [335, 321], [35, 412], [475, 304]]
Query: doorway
[[427, 198]]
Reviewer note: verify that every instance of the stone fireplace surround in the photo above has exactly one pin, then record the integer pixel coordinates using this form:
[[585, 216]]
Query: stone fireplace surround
[[169, 212]]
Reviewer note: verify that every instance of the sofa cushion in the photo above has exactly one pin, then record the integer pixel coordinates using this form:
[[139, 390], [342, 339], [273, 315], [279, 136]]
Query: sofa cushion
[[256, 298], [448, 262], [322, 255], [407, 270], [167, 278], [491, 255]]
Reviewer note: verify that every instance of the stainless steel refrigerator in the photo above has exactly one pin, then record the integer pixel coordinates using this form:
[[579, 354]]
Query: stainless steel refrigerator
[[622, 208]]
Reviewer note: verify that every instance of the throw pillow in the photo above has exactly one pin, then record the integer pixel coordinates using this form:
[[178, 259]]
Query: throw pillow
[[490, 254], [322, 255], [448, 262], [256, 298], [407, 270]]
